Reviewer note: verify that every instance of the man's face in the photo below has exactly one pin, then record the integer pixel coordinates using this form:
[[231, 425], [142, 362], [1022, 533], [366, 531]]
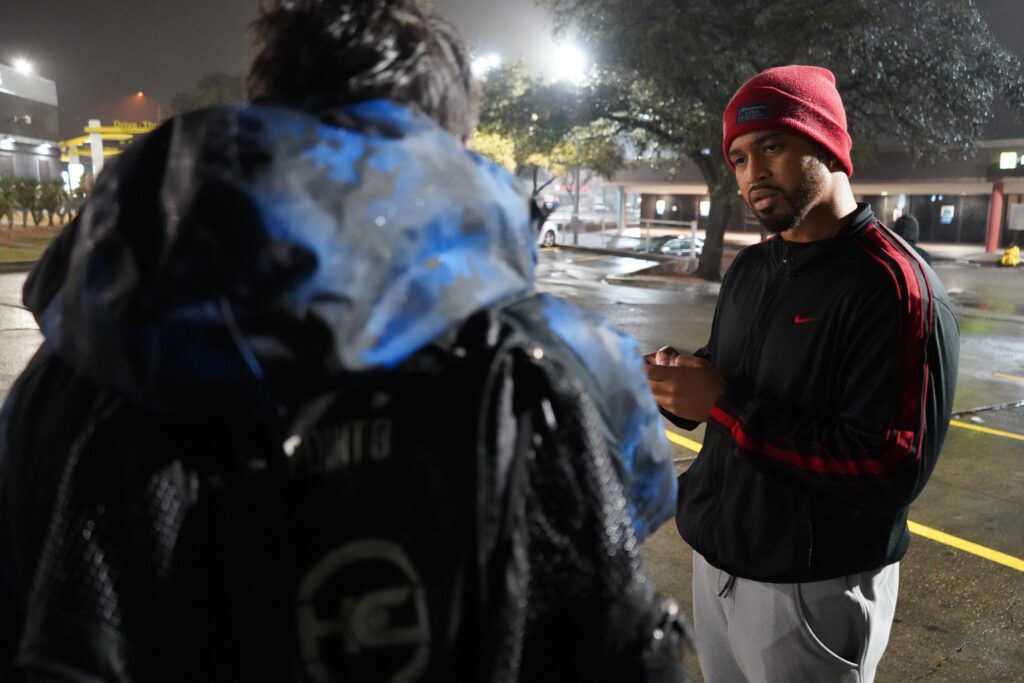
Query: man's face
[[782, 177]]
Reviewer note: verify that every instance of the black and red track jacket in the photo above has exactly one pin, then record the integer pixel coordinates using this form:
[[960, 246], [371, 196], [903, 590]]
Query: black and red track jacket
[[841, 359]]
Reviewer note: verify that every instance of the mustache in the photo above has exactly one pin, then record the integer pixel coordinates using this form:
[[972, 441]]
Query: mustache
[[762, 186]]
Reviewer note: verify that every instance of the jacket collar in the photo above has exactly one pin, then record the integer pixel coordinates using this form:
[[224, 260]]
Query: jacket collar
[[799, 257]]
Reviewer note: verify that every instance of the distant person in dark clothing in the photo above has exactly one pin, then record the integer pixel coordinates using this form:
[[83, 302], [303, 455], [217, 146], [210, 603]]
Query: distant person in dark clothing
[[909, 229]]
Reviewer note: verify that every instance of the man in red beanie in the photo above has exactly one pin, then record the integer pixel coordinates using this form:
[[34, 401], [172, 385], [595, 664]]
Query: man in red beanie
[[827, 386]]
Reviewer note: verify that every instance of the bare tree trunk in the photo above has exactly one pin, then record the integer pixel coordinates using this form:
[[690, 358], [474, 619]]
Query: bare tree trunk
[[722, 188], [710, 266], [577, 191]]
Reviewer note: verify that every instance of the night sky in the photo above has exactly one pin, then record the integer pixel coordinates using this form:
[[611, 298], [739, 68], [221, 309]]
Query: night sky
[[100, 52]]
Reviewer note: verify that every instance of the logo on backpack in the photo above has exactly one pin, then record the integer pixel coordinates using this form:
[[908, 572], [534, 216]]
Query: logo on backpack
[[362, 614]]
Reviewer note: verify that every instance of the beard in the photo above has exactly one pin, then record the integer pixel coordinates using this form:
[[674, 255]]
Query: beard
[[800, 201]]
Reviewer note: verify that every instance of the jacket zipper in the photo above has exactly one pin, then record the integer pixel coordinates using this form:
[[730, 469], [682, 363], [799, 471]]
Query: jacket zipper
[[756, 338], [753, 352], [810, 540]]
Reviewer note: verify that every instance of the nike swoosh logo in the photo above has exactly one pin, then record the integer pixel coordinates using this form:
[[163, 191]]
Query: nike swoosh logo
[[800, 320]]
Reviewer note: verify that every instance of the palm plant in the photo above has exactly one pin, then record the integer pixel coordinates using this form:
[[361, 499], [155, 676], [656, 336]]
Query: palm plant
[[7, 200], [53, 198], [27, 199]]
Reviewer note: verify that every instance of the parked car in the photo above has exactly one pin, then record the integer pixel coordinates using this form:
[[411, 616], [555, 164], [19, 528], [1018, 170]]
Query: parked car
[[654, 244], [680, 246]]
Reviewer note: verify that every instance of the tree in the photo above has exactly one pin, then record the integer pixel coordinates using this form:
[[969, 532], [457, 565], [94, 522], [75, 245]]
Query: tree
[[584, 153], [8, 205], [496, 147], [551, 129], [211, 90], [27, 199], [921, 75], [53, 198]]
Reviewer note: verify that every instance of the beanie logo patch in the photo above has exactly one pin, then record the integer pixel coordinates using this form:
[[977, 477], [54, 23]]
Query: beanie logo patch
[[753, 112]]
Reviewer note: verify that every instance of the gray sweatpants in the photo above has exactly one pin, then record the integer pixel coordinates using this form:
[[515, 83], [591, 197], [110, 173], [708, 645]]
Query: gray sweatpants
[[823, 631]]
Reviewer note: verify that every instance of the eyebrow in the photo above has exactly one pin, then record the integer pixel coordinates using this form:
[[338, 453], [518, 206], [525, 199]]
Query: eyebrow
[[758, 141], [768, 136]]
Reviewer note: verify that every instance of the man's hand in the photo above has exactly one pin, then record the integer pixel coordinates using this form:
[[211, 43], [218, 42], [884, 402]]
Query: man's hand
[[686, 386], [666, 355]]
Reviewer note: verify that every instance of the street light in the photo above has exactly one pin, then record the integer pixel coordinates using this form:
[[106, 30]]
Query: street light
[[484, 64], [570, 65], [23, 66]]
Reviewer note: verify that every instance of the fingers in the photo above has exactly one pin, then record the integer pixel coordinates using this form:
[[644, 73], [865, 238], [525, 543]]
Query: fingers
[[676, 370], [666, 355], [663, 356], [689, 362]]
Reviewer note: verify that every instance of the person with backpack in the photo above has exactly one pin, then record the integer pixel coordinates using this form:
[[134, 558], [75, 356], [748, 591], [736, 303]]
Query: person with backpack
[[299, 414]]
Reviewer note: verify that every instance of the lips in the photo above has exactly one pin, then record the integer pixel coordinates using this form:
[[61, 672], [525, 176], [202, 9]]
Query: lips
[[763, 200]]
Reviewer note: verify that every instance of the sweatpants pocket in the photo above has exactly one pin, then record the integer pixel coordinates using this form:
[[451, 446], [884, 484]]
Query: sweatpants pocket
[[834, 620]]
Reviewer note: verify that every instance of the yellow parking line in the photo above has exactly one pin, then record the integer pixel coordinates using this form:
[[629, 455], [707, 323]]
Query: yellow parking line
[[683, 441], [915, 528], [1010, 377], [588, 258], [967, 546], [986, 430]]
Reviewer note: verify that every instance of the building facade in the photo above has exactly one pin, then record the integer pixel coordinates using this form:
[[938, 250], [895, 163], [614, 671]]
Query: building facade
[[978, 200], [29, 126]]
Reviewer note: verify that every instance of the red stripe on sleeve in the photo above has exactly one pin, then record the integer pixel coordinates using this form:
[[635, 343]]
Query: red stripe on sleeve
[[914, 373], [852, 467]]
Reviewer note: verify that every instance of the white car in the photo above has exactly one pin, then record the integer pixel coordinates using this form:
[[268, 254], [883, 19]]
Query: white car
[[681, 246], [551, 232]]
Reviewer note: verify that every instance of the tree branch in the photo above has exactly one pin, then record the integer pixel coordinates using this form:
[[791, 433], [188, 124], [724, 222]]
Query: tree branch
[[649, 126]]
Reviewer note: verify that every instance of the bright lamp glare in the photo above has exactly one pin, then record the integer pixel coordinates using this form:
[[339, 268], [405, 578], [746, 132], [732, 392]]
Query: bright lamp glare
[[1008, 161], [570, 65], [23, 66], [484, 64]]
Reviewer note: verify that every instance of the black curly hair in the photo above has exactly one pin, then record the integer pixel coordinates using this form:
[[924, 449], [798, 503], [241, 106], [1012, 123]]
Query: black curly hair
[[348, 51]]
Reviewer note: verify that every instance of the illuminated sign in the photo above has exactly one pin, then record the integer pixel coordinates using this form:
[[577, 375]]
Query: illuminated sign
[[135, 125], [947, 214], [1016, 220], [27, 86], [128, 127], [1007, 161]]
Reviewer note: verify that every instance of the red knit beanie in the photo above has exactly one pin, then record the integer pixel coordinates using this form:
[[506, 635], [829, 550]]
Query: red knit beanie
[[799, 99]]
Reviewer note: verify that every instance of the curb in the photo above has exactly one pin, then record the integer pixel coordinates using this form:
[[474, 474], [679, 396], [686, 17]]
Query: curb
[[17, 266], [615, 252], [658, 283], [966, 312]]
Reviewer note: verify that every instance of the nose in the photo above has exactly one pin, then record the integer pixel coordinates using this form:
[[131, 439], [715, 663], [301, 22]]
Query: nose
[[757, 169]]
